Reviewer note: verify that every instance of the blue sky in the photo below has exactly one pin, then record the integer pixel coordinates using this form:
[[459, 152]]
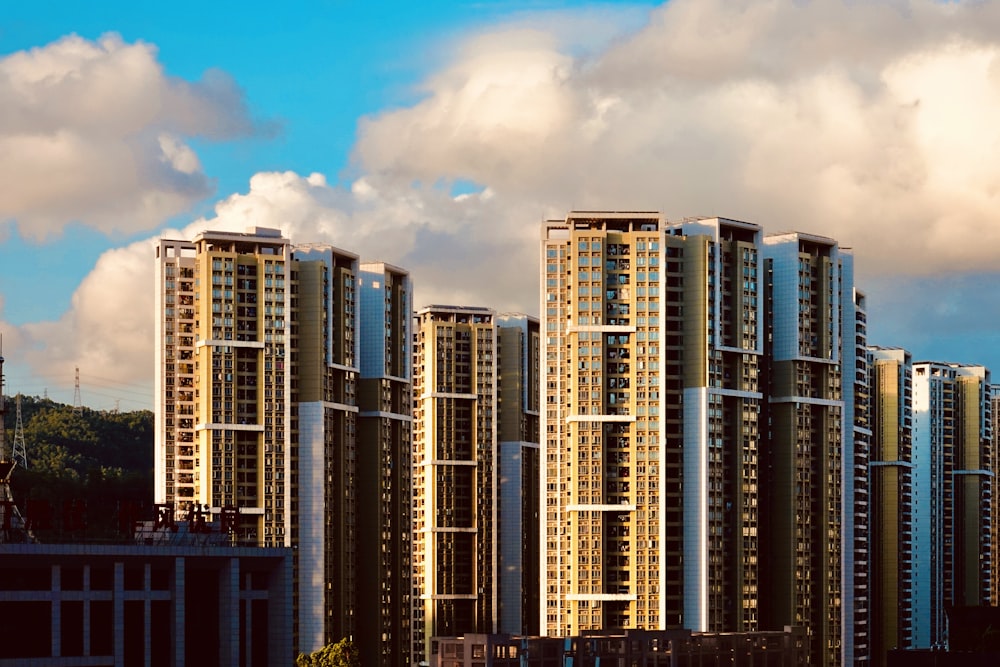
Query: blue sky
[[309, 70], [438, 135]]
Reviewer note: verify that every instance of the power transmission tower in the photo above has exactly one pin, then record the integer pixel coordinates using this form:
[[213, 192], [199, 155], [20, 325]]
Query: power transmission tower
[[3, 412], [77, 402], [20, 453]]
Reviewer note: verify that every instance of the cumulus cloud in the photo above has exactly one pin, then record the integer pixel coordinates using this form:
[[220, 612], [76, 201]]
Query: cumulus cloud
[[95, 131], [870, 122]]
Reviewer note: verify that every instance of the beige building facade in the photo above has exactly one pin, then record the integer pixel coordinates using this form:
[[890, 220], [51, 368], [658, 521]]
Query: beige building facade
[[694, 418], [283, 405]]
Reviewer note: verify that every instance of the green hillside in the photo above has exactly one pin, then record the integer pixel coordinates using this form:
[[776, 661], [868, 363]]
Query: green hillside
[[89, 472]]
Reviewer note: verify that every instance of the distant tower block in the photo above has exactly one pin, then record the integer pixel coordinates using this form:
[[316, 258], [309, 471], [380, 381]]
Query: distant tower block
[[19, 453]]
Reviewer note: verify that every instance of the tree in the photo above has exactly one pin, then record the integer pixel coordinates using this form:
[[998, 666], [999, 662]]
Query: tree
[[341, 654], [102, 461]]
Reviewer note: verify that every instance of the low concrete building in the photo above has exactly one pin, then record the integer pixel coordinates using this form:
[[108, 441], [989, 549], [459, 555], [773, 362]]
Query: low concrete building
[[639, 648], [172, 602]]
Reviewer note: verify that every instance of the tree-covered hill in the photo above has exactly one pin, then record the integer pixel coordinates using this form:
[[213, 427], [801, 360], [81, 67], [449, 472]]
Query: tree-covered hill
[[90, 471]]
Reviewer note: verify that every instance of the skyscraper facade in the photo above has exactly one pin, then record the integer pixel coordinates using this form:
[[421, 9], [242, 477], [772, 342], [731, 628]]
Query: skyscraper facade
[[891, 536], [454, 473], [695, 419], [518, 391], [475, 506], [223, 302], [262, 421], [604, 506], [809, 543], [994, 463], [857, 479], [952, 489], [652, 355], [325, 348], [384, 478]]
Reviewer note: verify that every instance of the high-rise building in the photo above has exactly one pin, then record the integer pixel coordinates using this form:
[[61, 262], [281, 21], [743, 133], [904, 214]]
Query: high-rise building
[[605, 509], [994, 465], [652, 356], [857, 478], [711, 348], [324, 348], [809, 535], [222, 303], [518, 388], [952, 488], [454, 473], [262, 420], [891, 526], [694, 428], [384, 478], [475, 461]]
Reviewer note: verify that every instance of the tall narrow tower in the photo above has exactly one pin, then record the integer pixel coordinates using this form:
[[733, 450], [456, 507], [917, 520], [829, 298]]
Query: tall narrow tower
[[3, 412], [952, 485], [455, 473], [223, 436], [518, 392], [325, 331], [19, 450], [891, 373], [384, 479], [809, 581]]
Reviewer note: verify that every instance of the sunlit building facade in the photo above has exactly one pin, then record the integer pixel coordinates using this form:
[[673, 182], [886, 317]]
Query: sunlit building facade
[[952, 494], [455, 559], [891, 536], [475, 500], [323, 329], [652, 347], [857, 480], [223, 305], [994, 461], [264, 415], [812, 546]]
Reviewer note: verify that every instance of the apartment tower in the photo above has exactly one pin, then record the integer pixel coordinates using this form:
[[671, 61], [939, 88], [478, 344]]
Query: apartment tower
[[952, 489], [652, 347], [223, 381], [994, 465], [811, 477], [891, 571], [857, 476], [384, 477], [261, 421], [518, 391], [323, 327], [454, 474]]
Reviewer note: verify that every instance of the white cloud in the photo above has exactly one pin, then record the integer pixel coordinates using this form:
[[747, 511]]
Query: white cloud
[[94, 131], [872, 123], [868, 122]]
